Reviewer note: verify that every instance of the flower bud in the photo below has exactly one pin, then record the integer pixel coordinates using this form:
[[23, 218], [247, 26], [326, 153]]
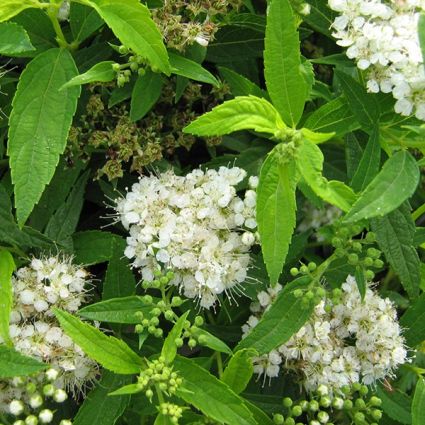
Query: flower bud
[[45, 416]]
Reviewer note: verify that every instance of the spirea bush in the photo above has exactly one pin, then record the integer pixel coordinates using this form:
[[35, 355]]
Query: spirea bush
[[212, 212]]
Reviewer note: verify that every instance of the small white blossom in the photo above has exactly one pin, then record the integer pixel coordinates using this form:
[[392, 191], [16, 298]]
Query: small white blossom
[[45, 416], [16, 407]]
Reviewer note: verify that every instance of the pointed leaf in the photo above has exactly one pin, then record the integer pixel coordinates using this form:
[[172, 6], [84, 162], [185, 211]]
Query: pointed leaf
[[14, 364], [418, 404], [39, 125], [239, 371], [169, 349], [285, 82], [395, 183], [101, 72], [84, 21], [7, 266], [412, 321], [13, 39], [10, 8], [191, 69]]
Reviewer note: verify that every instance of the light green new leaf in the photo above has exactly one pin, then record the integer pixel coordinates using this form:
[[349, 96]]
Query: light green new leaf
[[418, 404], [309, 160], [39, 125], [11, 8], [112, 353], [146, 92], [83, 21], [316, 137], [421, 34], [191, 69], [169, 349], [395, 233], [283, 319], [240, 113], [117, 310], [102, 72], [395, 183], [285, 81], [276, 208], [7, 266], [211, 396], [239, 371], [412, 322], [127, 389], [131, 22], [97, 407], [13, 39], [14, 364]]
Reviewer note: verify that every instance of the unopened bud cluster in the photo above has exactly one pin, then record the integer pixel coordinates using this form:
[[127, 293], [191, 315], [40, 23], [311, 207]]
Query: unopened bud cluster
[[172, 411], [25, 398], [353, 405]]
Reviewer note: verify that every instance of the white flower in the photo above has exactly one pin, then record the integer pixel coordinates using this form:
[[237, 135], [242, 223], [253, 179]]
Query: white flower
[[45, 416], [196, 225], [16, 407]]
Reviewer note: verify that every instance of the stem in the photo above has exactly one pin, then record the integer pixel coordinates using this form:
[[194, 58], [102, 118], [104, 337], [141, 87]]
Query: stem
[[159, 394], [219, 364], [52, 13], [417, 213]]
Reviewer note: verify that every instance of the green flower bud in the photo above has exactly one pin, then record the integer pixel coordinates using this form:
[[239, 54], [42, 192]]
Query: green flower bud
[[164, 280], [147, 299], [313, 406], [123, 50], [360, 404], [304, 269], [157, 273], [141, 71], [134, 66], [336, 242], [357, 246], [320, 292], [368, 261], [278, 419], [378, 263], [139, 329], [364, 390], [31, 420], [156, 284], [304, 405], [298, 293], [338, 403], [375, 401], [31, 388], [348, 404], [312, 266], [376, 414], [323, 417], [289, 421], [374, 253], [340, 252], [353, 259], [325, 401], [158, 333], [192, 343], [48, 390], [294, 271], [202, 339], [369, 274], [149, 394], [199, 321], [169, 315], [151, 329], [287, 402], [359, 417], [146, 284], [156, 312], [178, 342], [297, 411], [370, 237], [154, 321], [309, 295]]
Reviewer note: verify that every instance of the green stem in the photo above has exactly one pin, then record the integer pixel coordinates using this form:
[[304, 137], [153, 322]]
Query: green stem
[[219, 364], [417, 213], [52, 13], [159, 394]]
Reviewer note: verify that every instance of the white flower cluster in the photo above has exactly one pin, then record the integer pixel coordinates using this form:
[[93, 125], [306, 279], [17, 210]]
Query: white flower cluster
[[383, 39], [196, 225], [355, 341], [34, 330]]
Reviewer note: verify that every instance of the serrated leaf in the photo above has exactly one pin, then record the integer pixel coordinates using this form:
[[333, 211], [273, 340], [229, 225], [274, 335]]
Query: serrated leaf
[[418, 404], [396, 405], [285, 82], [169, 349], [395, 183], [10, 8], [239, 371], [13, 39], [119, 280], [84, 21], [101, 72], [369, 164], [211, 341], [412, 321], [191, 69], [7, 266], [363, 105], [309, 159], [240, 113], [97, 408], [240, 85], [146, 92], [116, 310], [131, 22], [209, 395], [276, 208], [39, 125], [395, 233], [14, 364], [283, 319], [112, 353], [94, 246]]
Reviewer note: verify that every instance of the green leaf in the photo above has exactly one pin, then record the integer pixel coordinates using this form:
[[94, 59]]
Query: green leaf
[[361, 281], [127, 389], [7, 266], [369, 164], [395, 233], [13, 39], [146, 92], [169, 349], [117, 310], [39, 125], [97, 407], [211, 341], [309, 160], [10, 8], [211, 396], [283, 319], [314, 137], [418, 404], [276, 207], [395, 183], [112, 353], [412, 321], [131, 22], [191, 69], [239, 85], [239, 371], [65, 220], [14, 364], [102, 72], [119, 279], [240, 113], [84, 21], [163, 420], [363, 105], [421, 34], [95, 246], [396, 405], [285, 82], [334, 116]]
